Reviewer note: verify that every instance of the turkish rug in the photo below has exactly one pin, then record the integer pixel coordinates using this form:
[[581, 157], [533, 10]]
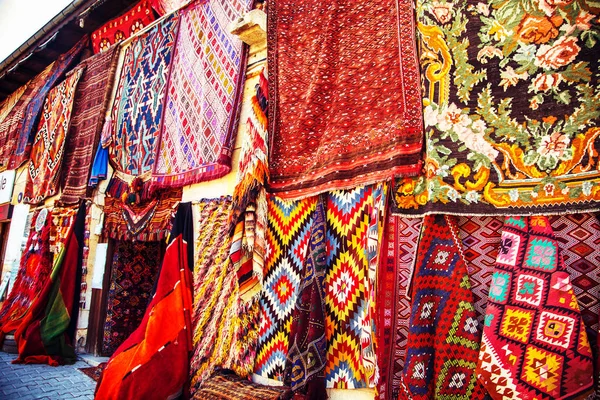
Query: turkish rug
[[215, 313], [134, 273], [444, 334], [510, 109], [148, 221], [288, 233], [93, 372], [398, 255], [354, 233], [61, 224], [342, 113], [34, 271], [47, 332], [89, 106], [11, 101], [534, 342], [49, 142], [203, 96], [122, 27], [138, 106], [163, 7], [153, 362], [86, 253], [31, 115], [307, 352], [224, 385], [253, 167]]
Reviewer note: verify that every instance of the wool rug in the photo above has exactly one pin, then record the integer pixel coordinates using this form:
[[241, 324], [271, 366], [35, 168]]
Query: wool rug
[[49, 142], [398, 255], [134, 274], [354, 231], [510, 109], [89, 106], [288, 233], [444, 334], [61, 224], [153, 362], [138, 106], [47, 332], [307, 352], [31, 115], [163, 7], [93, 372], [224, 385], [203, 96], [122, 27], [533, 335], [342, 113], [33, 273], [11, 101]]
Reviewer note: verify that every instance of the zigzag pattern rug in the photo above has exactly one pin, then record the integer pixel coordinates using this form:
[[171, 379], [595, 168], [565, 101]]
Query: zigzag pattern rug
[[138, 106], [534, 343], [444, 335], [288, 234], [354, 229]]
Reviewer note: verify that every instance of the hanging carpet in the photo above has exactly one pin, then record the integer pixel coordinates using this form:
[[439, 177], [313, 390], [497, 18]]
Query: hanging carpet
[[511, 109], [11, 101], [47, 333], [163, 7], [134, 273], [203, 96], [139, 102], [153, 362], [345, 101], [49, 141], [122, 27], [534, 341], [89, 107]]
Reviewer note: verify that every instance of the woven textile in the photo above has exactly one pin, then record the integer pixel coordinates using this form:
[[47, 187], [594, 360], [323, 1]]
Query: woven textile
[[63, 219], [36, 102], [149, 221], [89, 107], [224, 385], [215, 314], [47, 332], [34, 269], [534, 343], [153, 362], [342, 113], [401, 236], [120, 28], [354, 229], [307, 353], [288, 233], [11, 101], [139, 102], [163, 7], [203, 96], [511, 108], [134, 269], [444, 335], [49, 141]]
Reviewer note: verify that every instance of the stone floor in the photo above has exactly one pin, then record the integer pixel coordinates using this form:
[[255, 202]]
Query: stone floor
[[25, 382]]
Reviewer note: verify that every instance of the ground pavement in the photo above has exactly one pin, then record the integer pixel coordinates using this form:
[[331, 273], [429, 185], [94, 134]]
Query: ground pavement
[[25, 382]]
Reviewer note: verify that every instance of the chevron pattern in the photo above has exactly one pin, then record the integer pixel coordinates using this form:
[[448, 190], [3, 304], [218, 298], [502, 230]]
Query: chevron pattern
[[288, 233]]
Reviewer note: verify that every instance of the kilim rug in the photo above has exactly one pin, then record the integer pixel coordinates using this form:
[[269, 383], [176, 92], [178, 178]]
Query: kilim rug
[[94, 372], [534, 343], [134, 269], [444, 335], [148, 221], [203, 96], [398, 255], [49, 141], [31, 115], [354, 229], [11, 101], [511, 97], [122, 27], [163, 7], [224, 385], [89, 107], [215, 313], [153, 362], [307, 353], [342, 113], [288, 234], [47, 332], [34, 270], [61, 224], [139, 101]]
